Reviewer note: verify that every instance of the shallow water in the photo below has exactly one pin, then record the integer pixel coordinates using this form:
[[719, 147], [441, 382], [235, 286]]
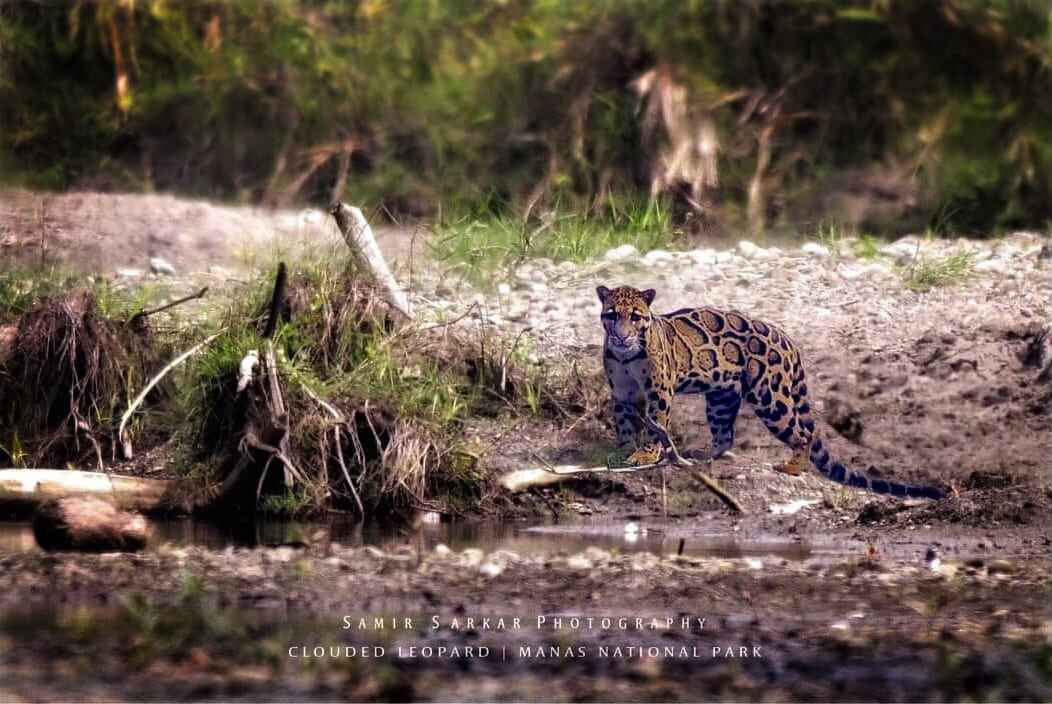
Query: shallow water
[[616, 535]]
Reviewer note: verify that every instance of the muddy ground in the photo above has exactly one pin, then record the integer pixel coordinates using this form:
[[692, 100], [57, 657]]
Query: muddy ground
[[944, 387], [220, 625]]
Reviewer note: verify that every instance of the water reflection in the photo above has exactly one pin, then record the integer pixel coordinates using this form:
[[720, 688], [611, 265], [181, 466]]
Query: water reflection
[[425, 534]]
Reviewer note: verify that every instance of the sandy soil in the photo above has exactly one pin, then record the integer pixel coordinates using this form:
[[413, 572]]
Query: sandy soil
[[104, 233]]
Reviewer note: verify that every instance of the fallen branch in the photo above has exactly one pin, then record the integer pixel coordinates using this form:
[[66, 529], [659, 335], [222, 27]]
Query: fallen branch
[[529, 478], [523, 479], [166, 306], [126, 447], [88, 523], [30, 487]]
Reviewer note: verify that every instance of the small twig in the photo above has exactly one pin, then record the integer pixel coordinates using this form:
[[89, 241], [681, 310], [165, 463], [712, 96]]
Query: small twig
[[126, 446], [263, 476], [672, 456], [166, 306], [347, 474], [278, 411], [359, 451], [664, 493], [473, 308], [333, 411], [250, 440], [369, 422], [337, 438], [86, 429], [547, 465], [504, 359]]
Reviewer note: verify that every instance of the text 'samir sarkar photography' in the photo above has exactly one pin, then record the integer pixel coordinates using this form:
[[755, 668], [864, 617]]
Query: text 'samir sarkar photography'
[[525, 350]]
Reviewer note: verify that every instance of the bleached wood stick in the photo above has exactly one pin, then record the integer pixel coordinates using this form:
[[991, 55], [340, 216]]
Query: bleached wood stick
[[359, 237], [524, 479], [126, 446], [34, 486]]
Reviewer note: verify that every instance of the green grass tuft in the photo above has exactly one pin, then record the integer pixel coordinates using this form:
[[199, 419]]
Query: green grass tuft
[[926, 274], [831, 235], [867, 247], [481, 245]]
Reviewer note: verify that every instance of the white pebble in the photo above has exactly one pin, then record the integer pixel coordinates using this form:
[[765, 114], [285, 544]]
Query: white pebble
[[160, 266], [749, 250], [625, 251], [815, 250], [657, 256]]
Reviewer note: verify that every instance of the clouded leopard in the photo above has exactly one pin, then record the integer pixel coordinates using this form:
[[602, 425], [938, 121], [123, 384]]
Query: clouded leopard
[[731, 359]]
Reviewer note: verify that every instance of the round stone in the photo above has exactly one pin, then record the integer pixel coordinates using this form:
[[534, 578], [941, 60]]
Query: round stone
[[815, 250], [625, 251]]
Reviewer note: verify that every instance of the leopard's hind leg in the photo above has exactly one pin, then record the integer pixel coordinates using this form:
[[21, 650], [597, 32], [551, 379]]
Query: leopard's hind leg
[[788, 417]]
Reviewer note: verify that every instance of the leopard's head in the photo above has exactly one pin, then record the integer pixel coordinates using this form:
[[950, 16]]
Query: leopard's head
[[626, 316]]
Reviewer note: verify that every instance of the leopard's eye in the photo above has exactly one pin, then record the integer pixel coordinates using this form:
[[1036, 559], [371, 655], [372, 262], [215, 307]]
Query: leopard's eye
[[609, 315], [636, 317]]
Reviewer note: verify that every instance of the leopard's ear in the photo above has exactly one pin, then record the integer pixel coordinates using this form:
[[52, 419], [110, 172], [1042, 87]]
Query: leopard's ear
[[603, 292], [649, 295]]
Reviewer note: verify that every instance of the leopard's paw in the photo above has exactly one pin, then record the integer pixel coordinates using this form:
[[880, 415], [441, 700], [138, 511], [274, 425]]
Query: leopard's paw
[[787, 468], [644, 456]]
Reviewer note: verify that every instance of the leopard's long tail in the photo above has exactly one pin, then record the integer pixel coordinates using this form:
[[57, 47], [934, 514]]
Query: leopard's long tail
[[834, 470]]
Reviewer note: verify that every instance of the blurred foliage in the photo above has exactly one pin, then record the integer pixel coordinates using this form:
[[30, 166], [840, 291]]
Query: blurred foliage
[[505, 105]]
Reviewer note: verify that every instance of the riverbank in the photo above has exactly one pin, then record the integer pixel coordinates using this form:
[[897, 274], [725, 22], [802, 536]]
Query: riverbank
[[337, 622]]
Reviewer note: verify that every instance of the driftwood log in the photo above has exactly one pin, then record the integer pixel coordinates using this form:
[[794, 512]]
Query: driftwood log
[[28, 488], [359, 237], [87, 523]]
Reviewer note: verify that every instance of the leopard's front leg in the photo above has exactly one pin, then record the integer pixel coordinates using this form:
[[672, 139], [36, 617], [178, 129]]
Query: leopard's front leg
[[658, 410], [626, 423]]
